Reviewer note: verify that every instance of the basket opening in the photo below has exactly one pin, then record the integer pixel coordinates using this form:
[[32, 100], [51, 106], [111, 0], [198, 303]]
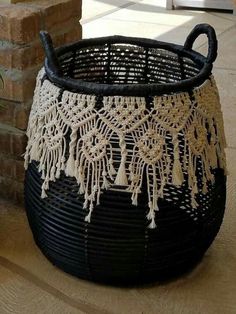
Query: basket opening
[[127, 64]]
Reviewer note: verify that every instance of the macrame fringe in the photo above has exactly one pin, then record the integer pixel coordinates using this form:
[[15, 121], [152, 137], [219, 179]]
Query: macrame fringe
[[117, 144]]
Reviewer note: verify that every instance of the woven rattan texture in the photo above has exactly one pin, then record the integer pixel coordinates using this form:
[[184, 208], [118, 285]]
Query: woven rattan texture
[[116, 246], [127, 64]]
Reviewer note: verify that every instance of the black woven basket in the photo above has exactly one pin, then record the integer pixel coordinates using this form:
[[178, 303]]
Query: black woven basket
[[117, 246]]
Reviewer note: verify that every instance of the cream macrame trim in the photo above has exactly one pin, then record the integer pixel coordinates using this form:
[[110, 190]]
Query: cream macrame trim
[[124, 140]]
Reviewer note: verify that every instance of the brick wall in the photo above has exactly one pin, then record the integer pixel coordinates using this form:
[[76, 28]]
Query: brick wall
[[21, 56]]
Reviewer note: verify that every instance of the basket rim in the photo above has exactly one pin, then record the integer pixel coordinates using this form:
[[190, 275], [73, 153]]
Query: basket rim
[[152, 89]]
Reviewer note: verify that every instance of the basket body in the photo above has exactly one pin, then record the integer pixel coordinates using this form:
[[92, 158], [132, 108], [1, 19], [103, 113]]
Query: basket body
[[102, 205]]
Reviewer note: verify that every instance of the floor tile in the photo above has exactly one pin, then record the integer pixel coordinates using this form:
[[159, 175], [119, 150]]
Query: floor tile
[[151, 13], [227, 16], [18, 295], [109, 26], [92, 9]]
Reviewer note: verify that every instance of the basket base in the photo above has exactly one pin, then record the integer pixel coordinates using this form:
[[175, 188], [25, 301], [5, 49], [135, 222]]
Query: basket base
[[117, 247], [165, 275]]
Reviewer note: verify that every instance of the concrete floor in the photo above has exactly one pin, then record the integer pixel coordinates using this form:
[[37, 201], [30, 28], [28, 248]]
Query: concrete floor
[[30, 284]]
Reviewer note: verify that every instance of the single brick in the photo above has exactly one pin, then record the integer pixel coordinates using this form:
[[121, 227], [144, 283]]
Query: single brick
[[19, 24], [73, 35], [21, 57], [19, 193], [7, 188], [14, 113], [65, 27], [19, 170], [12, 168], [21, 116], [12, 140], [5, 142], [12, 190], [7, 168], [7, 109], [55, 12], [20, 89], [18, 144]]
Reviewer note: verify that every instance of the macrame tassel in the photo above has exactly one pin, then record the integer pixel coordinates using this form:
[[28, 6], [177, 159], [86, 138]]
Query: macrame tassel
[[44, 187], [41, 168], [58, 171], [63, 161], [91, 198], [85, 205], [212, 155], [52, 173], [105, 183], [136, 180], [98, 197], [177, 173], [43, 194], [88, 217], [111, 167], [134, 199], [134, 196], [121, 178], [81, 188], [34, 153], [161, 190], [70, 165], [152, 225], [151, 216], [26, 161], [80, 179]]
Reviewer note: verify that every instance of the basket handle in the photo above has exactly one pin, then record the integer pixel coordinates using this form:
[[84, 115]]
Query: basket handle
[[50, 52], [212, 40]]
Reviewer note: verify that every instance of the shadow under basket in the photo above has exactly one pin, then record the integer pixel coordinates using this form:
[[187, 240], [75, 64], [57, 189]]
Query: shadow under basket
[[115, 244]]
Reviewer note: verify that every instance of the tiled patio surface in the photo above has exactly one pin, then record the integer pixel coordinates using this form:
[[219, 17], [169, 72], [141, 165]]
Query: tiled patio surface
[[30, 284]]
